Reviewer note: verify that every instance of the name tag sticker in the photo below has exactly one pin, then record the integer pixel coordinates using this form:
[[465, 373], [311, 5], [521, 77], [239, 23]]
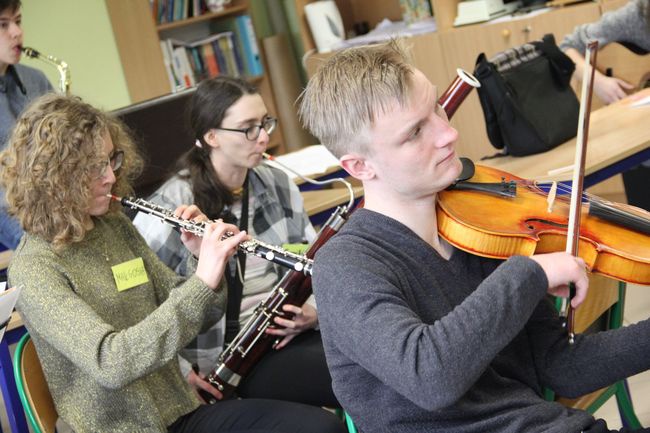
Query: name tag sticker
[[129, 274], [296, 248]]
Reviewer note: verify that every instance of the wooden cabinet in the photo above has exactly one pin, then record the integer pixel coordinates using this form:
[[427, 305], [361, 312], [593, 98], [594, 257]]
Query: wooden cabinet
[[439, 54], [138, 42], [462, 45]]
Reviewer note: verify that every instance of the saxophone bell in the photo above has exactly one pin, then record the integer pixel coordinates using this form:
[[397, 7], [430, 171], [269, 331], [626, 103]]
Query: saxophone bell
[[61, 66]]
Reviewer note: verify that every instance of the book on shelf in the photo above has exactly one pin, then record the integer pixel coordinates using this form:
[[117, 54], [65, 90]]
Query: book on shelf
[[245, 46], [182, 67], [226, 46], [210, 60], [166, 11], [196, 64], [248, 41], [174, 81], [191, 62]]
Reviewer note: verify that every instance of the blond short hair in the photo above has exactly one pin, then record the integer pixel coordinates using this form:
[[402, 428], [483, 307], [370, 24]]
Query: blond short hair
[[46, 169], [344, 97]]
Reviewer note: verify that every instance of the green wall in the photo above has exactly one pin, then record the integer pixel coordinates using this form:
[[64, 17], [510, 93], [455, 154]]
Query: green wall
[[80, 33]]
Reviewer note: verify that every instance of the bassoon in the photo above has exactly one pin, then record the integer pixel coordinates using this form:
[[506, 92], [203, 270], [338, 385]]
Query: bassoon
[[252, 341]]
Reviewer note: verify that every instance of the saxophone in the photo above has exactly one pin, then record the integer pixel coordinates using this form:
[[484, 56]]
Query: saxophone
[[61, 66]]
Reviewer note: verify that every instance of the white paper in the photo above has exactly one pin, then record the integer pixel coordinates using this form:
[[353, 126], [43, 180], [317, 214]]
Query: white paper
[[641, 102], [310, 160], [387, 30], [8, 300]]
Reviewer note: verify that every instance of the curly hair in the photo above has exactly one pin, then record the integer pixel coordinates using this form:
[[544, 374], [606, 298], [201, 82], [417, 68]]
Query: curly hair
[[47, 167]]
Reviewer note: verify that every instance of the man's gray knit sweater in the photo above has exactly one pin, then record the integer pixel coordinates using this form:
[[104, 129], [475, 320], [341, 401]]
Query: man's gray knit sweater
[[416, 343], [18, 87]]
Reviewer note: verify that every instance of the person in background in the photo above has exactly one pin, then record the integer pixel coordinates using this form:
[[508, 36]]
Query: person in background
[[222, 173], [629, 24], [107, 317], [18, 86], [424, 337]]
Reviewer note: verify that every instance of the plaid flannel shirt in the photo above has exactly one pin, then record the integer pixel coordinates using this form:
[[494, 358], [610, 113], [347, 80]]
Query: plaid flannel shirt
[[278, 217]]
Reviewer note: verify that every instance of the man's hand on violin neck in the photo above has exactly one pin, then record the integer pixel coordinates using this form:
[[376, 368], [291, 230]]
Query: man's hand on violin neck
[[562, 269]]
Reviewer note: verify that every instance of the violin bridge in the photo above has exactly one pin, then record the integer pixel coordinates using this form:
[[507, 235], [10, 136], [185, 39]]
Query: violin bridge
[[550, 198]]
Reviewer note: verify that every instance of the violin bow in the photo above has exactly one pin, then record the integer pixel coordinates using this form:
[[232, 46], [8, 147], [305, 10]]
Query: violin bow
[[577, 183]]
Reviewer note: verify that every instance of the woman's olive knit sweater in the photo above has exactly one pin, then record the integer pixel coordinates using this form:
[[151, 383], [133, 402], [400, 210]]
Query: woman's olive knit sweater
[[109, 356]]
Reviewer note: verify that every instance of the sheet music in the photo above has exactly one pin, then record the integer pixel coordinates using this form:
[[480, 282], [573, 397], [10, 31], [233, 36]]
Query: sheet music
[[310, 160]]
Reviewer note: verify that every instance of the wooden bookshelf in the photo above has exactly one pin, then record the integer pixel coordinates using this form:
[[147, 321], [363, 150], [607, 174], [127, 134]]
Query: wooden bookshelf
[[226, 12], [137, 37]]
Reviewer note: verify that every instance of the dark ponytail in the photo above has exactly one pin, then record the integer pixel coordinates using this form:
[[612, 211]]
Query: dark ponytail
[[207, 109]]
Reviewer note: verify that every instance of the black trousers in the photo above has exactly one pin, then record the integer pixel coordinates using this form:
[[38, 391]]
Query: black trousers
[[636, 186], [258, 416], [297, 373], [600, 426]]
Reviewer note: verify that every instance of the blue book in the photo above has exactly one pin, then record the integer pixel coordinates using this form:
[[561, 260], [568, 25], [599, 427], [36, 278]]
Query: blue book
[[170, 11], [241, 69], [246, 33], [221, 60]]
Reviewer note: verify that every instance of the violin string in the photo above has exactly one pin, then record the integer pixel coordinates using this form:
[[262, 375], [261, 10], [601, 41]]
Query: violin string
[[628, 218], [564, 189]]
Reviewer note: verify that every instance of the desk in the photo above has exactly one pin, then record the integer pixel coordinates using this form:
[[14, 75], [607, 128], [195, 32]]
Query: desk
[[15, 414], [319, 204], [619, 139], [332, 172]]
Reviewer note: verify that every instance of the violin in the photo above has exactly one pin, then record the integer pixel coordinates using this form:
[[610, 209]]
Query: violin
[[494, 214]]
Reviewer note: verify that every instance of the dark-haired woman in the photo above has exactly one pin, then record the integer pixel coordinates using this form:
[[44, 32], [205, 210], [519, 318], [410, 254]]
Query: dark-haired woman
[[222, 173]]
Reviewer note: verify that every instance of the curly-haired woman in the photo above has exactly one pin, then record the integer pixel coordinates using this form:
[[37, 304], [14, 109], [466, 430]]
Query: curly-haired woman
[[108, 341]]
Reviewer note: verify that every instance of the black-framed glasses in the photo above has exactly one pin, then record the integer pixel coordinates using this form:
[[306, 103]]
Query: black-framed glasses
[[114, 161], [253, 131]]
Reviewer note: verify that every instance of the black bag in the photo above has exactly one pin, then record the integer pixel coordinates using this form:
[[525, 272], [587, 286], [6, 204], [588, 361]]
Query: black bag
[[527, 102]]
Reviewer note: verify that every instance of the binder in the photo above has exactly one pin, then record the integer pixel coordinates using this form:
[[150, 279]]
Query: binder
[[182, 66], [246, 32], [173, 79], [210, 60], [226, 45]]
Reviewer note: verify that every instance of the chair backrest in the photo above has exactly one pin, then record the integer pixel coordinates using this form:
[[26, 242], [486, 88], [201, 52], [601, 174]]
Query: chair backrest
[[32, 387]]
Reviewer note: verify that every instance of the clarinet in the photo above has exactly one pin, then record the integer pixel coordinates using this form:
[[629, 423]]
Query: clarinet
[[296, 262], [252, 342]]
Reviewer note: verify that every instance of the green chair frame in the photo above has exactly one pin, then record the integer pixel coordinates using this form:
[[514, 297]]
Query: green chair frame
[[619, 389], [30, 411], [348, 421]]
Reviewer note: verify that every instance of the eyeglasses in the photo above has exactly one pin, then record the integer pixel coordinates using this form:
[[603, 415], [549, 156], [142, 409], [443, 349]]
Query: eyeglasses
[[114, 161], [253, 131]]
